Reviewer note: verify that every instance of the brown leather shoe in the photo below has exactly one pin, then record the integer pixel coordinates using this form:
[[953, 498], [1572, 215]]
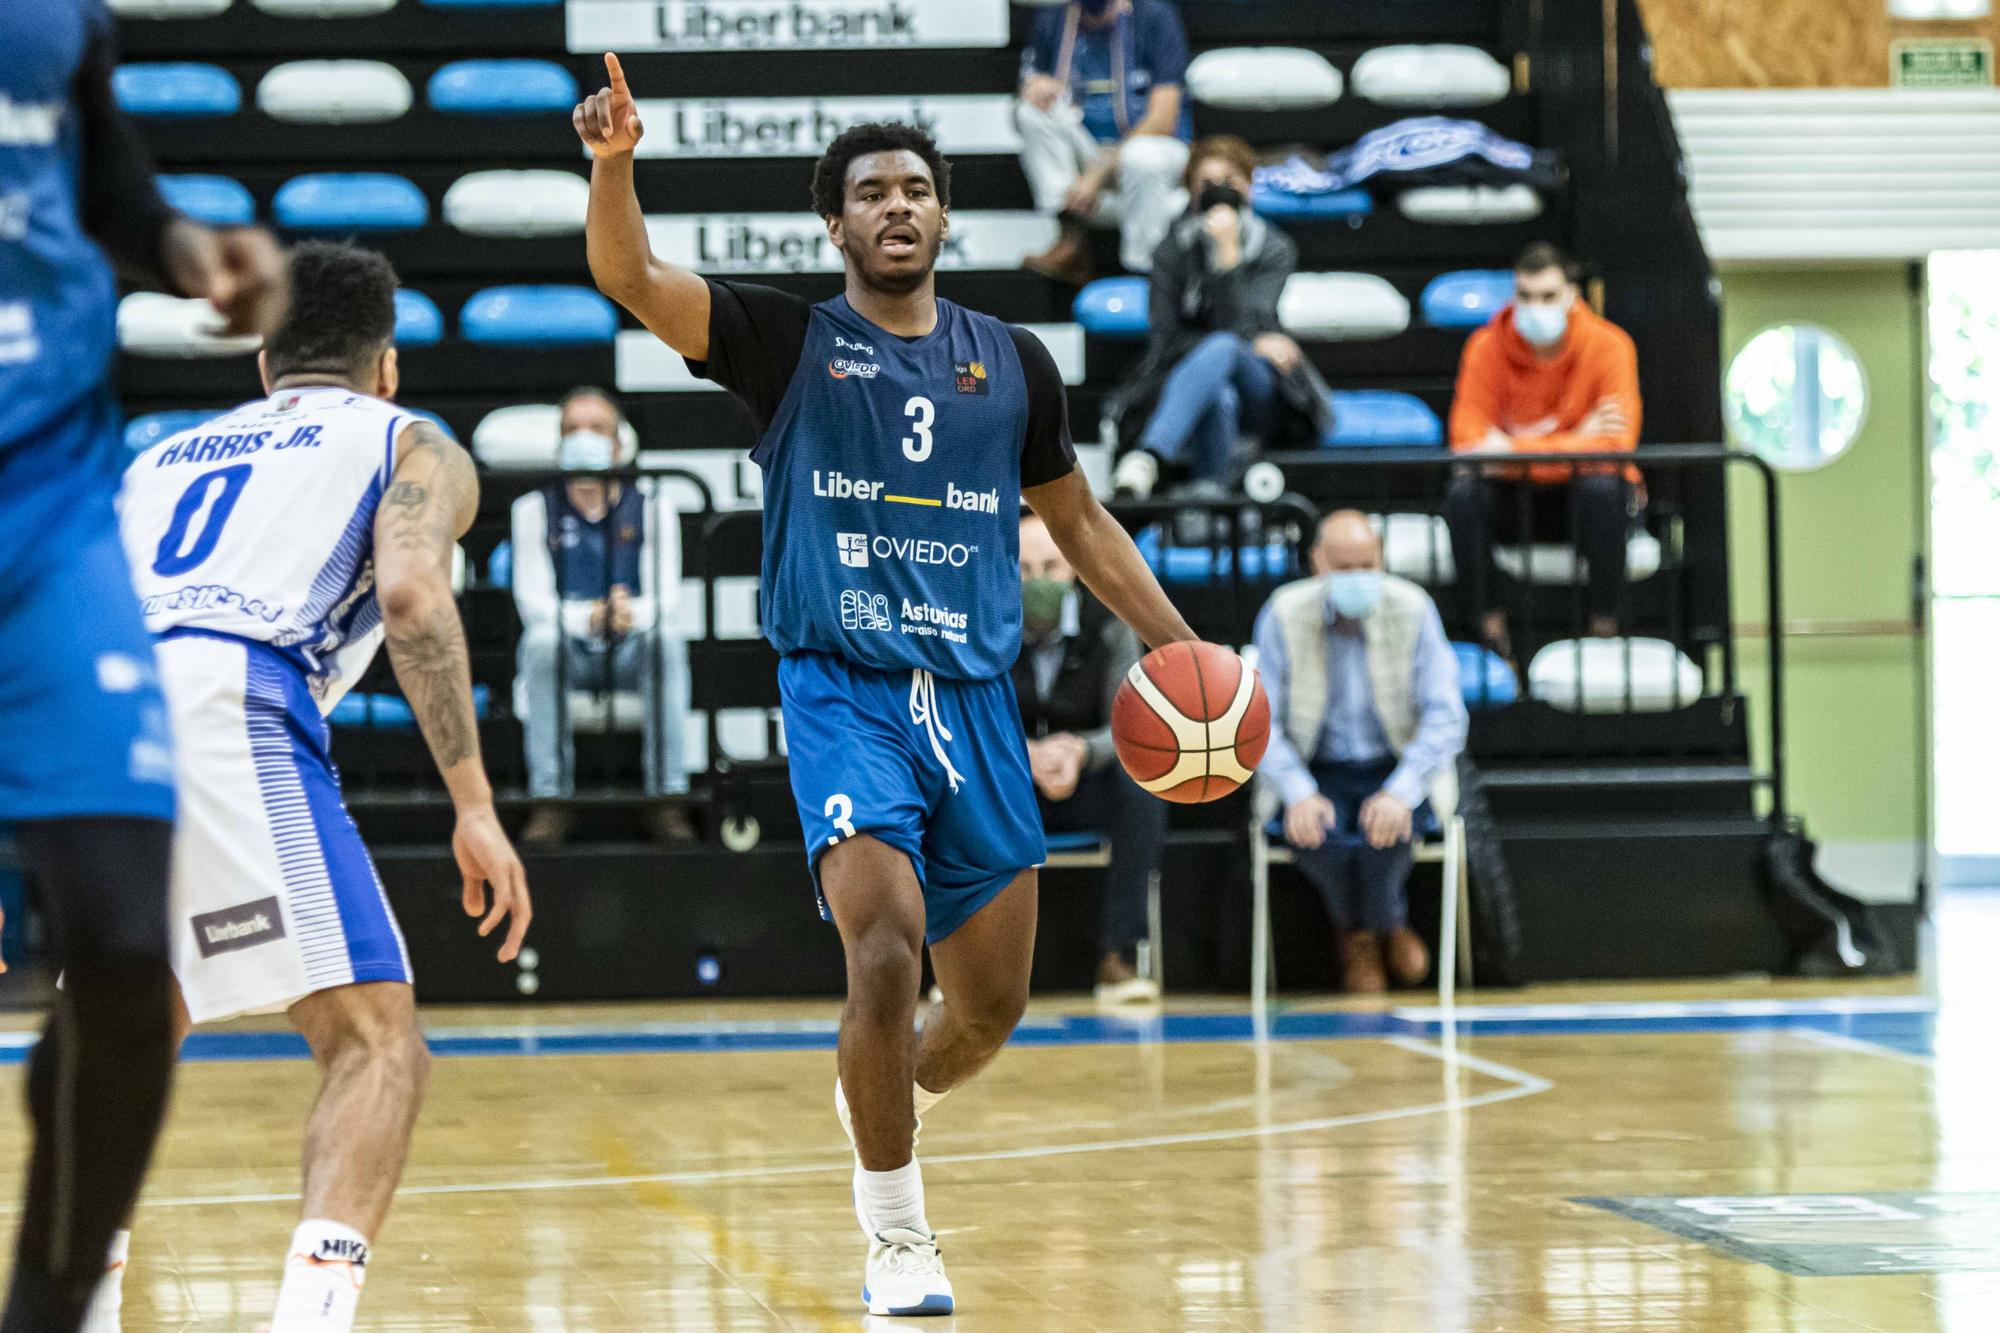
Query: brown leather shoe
[[1361, 958], [1409, 961], [548, 826], [1068, 260]]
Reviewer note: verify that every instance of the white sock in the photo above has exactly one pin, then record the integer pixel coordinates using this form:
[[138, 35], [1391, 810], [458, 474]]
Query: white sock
[[890, 1199], [324, 1271], [109, 1298], [924, 1099]]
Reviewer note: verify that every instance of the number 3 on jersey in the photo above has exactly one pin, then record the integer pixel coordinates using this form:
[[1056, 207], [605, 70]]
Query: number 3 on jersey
[[923, 415], [171, 559]]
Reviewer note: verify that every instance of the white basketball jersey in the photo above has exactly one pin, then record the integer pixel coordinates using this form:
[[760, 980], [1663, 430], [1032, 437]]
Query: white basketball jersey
[[260, 525]]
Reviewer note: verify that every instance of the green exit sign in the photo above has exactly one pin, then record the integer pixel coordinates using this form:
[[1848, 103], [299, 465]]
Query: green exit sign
[[1941, 62]]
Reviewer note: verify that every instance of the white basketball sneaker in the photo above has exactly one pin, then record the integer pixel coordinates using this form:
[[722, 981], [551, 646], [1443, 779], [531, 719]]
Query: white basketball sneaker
[[905, 1275]]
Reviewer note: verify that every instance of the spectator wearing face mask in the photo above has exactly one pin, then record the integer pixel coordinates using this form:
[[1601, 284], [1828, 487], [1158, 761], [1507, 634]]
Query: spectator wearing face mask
[[1221, 366], [1074, 656], [1547, 375], [1366, 715], [1104, 126], [597, 574]]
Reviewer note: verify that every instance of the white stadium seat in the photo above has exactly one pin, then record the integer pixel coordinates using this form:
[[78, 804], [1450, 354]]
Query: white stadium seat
[[168, 9], [1418, 546], [152, 324], [1342, 306], [526, 435], [1470, 204], [1436, 77], [1556, 564], [324, 9], [1263, 78], [1598, 675], [518, 203], [334, 92]]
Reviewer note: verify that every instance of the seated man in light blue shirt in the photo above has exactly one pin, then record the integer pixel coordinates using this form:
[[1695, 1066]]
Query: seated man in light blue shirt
[[1368, 714]]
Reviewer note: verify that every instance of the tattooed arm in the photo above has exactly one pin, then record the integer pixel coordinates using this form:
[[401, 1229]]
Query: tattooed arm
[[430, 503]]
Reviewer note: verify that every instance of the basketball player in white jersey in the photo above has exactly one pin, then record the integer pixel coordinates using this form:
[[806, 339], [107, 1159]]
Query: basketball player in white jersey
[[272, 549]]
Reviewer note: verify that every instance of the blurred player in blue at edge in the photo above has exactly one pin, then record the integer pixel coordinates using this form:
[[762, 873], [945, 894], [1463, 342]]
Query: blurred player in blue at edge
[[900, 434], [85, 764]]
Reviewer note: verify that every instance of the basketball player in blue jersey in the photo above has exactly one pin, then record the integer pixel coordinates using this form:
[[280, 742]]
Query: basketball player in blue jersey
[[85, 767], [900, 434]]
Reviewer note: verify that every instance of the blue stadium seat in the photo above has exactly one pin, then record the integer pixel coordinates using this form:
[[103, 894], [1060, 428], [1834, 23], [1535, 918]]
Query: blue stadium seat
[[1467, 300], [1285, 206], [176, 88], [216, 200], [143, 432], [1368, 417], [349, 201], [1114, 308], [489, 4], [1484, 678], [1084, 841], [390, 712], [500, 565], [419, 322], [1201, 564], [546, 316], [502, 87]]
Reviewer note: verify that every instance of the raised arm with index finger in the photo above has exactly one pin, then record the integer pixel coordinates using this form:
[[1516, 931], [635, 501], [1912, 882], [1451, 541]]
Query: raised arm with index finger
[[667, 299]]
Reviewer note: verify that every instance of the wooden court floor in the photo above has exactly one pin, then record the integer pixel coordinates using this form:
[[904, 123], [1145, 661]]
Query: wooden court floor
[[1359, 1167]]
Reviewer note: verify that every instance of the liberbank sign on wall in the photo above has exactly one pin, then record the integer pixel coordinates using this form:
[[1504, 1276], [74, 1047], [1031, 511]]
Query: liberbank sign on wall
[[781, 25]]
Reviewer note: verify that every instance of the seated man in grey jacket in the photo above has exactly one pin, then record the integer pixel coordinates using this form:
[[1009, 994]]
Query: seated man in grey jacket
[[1218, 358], [1368, 714]]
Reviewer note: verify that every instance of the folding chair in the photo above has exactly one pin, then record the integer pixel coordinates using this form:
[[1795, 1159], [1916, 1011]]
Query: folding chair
[[1447, 848]]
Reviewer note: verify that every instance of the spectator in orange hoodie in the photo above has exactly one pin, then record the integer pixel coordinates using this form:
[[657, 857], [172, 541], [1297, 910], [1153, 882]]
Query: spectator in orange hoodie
[[1547, 375]]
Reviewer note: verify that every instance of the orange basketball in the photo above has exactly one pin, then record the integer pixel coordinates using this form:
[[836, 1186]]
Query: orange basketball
[[1190, 722]]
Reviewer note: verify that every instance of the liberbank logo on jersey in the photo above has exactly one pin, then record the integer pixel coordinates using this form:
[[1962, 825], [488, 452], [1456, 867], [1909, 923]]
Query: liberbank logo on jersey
[[780, 25]]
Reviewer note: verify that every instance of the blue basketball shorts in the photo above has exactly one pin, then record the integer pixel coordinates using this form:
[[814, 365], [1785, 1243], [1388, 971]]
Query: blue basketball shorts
[[937, 769], [83, 729]]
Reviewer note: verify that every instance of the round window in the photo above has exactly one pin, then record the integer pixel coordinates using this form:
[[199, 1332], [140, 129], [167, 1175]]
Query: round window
[[1796, 396]]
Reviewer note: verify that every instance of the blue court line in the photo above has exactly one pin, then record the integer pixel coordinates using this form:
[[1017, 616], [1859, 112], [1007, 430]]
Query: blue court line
[[1896, 1026]]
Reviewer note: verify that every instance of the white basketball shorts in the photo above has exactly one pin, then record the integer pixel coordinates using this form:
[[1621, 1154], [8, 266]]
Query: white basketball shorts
[[274, 897]]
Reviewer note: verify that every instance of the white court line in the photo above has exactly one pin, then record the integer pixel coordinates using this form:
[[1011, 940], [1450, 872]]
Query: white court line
[[1840, 1041], [1519, 1084], [1617, 1009]]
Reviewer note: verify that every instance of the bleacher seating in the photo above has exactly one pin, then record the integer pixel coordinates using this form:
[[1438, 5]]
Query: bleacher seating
[[1365, 417], [1436, 76], [419, 322], [518, 203], [1276, 78], [334, 92], [502, 87], [357, 201], [1114, 308], [1467, 300], [216, 200], [176, 89], [547, 315]]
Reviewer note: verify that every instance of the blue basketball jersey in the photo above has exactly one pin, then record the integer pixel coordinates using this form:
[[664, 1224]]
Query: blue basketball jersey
[[893, 470]]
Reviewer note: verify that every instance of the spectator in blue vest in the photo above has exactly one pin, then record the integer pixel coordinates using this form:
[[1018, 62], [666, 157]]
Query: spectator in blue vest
[[597, 576], [1105, 127]]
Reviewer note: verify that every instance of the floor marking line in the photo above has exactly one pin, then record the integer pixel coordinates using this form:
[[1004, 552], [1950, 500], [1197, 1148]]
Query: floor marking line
[[1840, 1041], [1519, 1084]]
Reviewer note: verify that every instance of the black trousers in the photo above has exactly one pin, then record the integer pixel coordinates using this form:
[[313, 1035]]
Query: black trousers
[[1109, 801], [1593, 510]]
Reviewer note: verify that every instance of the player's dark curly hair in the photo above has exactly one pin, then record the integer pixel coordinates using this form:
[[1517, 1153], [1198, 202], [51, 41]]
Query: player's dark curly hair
[[343, 312], [830, 176]]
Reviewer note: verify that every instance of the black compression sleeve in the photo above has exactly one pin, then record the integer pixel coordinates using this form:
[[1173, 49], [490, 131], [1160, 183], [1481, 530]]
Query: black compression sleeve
[[1047, 453], [755, 338], [122, 207]]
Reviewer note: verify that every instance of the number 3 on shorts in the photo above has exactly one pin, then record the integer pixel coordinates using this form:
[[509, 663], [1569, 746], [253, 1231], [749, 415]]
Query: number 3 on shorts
[[840, 809]]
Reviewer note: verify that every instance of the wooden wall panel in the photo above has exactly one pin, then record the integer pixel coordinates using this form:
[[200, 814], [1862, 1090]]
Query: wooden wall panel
[[1784, 43]]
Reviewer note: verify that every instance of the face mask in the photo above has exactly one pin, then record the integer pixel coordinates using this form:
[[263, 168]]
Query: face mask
[[1355, 592], [585, 451], [1542, 325], [1042, 602], [1212, 194]]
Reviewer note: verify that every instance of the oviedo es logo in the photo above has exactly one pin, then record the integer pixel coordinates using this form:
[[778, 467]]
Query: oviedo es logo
[[843, 368]]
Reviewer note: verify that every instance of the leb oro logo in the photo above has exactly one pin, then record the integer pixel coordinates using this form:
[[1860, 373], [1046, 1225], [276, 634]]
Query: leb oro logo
[[969, 376]]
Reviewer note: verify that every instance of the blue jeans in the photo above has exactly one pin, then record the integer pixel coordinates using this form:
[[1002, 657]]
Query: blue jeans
[[651, 663], [1218, 393], [1361, 886]]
